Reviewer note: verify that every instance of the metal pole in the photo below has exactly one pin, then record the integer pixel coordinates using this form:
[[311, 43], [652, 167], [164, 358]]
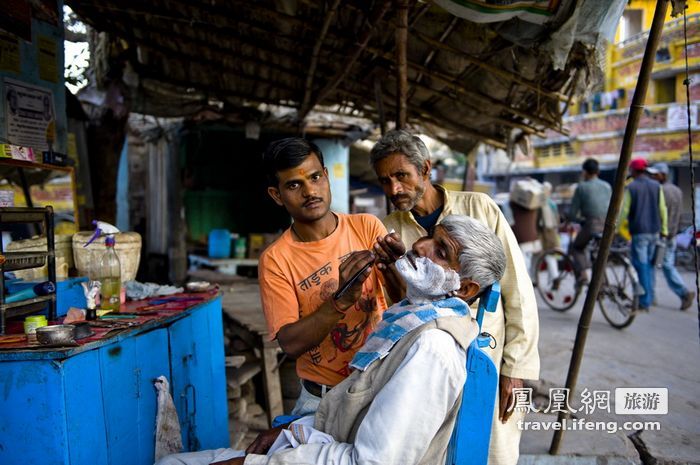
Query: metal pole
[[635, 114]]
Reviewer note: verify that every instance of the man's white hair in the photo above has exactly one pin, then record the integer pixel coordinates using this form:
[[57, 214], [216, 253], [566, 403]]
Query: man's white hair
[[481, 258]]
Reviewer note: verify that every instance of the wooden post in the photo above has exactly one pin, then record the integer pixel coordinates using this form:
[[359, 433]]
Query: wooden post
[[308, 85], [401, 63], [271, 379], [636, 109], [362, 41]]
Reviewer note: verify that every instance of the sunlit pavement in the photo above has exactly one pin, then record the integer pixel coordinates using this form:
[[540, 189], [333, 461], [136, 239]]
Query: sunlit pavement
[[660, 349]]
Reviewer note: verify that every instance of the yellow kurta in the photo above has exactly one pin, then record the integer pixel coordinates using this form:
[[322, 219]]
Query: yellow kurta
[[514, 324]]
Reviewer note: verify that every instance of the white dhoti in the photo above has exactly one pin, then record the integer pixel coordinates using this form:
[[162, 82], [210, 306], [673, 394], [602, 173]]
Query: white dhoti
[[504, 448]]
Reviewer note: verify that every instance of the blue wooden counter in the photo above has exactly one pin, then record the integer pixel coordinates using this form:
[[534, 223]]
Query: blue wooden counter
[[96, 403]]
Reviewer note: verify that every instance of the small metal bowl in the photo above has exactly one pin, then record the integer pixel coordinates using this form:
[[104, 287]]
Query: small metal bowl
[[197, 286], [55, 335]]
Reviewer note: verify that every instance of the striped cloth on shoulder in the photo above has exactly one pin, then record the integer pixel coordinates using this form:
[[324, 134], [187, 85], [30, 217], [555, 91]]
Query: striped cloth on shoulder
[[399, 320]]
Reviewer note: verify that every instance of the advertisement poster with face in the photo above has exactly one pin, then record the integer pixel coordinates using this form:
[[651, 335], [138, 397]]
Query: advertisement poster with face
[[30, 114]]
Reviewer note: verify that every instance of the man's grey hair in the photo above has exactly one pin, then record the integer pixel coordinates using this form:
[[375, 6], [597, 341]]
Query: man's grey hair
[[403, 142], [482, 258]]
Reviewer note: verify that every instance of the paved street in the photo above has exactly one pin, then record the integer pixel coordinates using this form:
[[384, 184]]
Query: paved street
[[659, 349]]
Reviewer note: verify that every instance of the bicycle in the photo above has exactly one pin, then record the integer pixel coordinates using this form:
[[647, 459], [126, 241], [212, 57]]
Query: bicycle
[[685, 253], [618, 298]]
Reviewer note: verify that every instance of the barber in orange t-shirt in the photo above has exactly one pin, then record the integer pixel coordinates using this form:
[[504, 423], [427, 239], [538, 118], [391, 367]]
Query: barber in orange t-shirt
[[301, 272]]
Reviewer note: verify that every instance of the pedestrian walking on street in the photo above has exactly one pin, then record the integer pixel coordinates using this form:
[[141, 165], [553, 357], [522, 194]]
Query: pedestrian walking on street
[[589, 204], [674, 198], [645, 209]]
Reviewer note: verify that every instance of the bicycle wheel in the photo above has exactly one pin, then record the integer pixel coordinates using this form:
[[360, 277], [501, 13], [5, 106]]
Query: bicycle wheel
[[555, 280], [617, 298]]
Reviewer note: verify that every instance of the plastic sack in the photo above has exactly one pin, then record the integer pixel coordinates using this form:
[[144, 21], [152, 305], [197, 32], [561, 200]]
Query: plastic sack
[[168, 437], [527, 193]]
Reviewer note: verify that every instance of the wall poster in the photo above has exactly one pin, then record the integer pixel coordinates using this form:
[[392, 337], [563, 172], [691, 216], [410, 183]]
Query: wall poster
[[30, 114]]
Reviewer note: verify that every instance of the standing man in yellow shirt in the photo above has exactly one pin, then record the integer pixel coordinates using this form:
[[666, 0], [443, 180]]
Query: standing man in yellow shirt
[[643, 205], [402, 163]]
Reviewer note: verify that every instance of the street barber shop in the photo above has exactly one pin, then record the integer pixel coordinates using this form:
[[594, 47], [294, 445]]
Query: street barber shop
[[383, 232]]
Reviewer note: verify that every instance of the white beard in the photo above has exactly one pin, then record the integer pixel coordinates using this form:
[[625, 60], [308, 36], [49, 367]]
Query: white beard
[[427, 281]]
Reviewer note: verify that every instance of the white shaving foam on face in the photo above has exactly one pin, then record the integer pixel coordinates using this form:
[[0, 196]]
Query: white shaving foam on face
[[428, 281]]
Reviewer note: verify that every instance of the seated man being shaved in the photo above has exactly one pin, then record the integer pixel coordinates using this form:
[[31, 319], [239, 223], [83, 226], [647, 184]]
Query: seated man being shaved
[[400, 403]]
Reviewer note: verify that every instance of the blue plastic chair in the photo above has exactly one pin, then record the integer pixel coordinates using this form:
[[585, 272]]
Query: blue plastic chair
[[472, 432]]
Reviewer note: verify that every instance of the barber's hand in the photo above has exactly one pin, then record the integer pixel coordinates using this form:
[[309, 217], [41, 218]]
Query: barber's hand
[[505, 396], [236, 461], [388, 249], [352, 265], [265, 440]]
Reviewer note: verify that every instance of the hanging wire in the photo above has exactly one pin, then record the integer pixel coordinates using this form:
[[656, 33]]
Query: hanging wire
[[686, 83]]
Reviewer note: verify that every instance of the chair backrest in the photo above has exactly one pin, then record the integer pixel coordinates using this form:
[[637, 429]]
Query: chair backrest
[[470, 439]]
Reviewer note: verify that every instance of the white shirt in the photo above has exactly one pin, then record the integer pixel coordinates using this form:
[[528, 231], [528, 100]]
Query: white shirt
[[404, 416]]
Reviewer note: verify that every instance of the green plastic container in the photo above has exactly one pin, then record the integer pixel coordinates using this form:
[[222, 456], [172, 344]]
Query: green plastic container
[[31, 323]]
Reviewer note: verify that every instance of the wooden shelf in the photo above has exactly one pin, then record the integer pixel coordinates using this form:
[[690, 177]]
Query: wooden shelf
[[13, 215], [27, 307], [14, 261], [24, 260]]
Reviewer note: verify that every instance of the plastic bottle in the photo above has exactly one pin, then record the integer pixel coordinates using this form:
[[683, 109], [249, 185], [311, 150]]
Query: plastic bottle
[[659, 253], [110, 277], [240, 247]]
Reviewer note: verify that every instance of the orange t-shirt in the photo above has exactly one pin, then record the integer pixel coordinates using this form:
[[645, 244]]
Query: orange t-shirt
[[297, 277]]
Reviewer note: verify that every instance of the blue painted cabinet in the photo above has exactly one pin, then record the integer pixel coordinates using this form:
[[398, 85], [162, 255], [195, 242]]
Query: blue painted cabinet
[[197, 402], [96, 404]]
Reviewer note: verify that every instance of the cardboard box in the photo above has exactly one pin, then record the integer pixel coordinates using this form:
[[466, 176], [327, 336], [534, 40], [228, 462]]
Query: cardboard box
[[16, 152], [527, 193]]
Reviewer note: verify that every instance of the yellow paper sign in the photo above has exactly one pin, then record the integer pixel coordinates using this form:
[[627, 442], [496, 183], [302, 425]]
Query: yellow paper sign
[[48, 67], [9, 53], [338, 170]]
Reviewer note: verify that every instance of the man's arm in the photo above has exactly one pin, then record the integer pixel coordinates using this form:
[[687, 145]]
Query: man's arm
[[389, 249], [625, 210], [404, 416], [663, 212], [308, 332]]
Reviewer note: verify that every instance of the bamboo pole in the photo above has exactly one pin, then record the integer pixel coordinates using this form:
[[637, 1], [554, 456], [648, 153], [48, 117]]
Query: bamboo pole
[[379, 102], [492, 69], [449, 81], [459, 129], [363, 40], [401, 34], [433, 52], [443, 122], [308, 85], [636, 109], [513, 124]]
